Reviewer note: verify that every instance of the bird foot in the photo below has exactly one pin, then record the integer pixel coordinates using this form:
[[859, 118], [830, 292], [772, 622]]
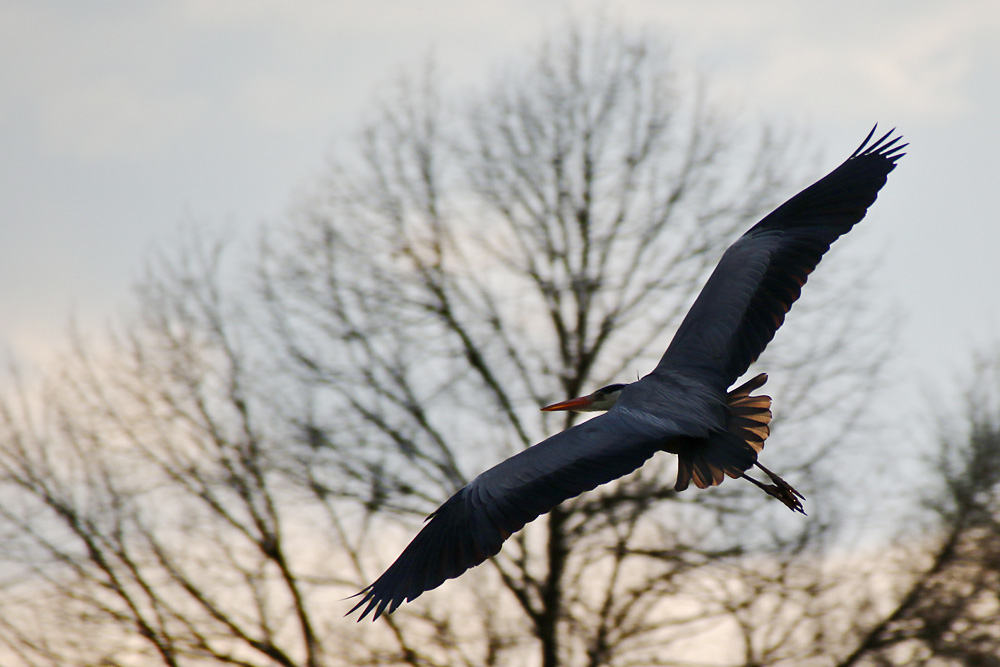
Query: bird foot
[[780, 489]]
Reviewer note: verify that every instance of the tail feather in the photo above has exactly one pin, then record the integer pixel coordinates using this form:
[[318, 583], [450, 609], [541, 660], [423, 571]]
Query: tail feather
[[733, 451]]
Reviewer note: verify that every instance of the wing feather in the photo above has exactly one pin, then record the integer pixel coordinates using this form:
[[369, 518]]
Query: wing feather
[[761, 275], [472, 525]]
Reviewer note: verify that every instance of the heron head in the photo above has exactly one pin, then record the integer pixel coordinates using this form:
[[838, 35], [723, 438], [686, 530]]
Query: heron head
[[602, 399]]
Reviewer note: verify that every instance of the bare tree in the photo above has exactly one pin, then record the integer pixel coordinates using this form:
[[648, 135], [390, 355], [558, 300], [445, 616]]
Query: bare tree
[[205, 488], [144, 510], [483, 261], [945, 596]]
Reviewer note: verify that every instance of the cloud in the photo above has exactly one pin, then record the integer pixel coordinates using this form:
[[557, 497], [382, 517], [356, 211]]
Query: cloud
[[94, 85], [121, 80], [115, 118], [849, 59]]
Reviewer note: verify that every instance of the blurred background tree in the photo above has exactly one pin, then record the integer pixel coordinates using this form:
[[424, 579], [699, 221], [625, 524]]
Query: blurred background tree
[[944, 604]]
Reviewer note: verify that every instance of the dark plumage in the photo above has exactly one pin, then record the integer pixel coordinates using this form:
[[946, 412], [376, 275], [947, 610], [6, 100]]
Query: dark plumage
[[681, 407]]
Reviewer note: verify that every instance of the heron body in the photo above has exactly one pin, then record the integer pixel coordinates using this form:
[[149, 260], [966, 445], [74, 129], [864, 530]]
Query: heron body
[[684, 406]]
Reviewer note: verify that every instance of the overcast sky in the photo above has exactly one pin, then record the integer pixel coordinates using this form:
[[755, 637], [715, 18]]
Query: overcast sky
[[121, 120]]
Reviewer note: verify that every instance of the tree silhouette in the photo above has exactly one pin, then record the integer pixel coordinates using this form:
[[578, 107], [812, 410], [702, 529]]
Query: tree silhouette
[[945, 604]]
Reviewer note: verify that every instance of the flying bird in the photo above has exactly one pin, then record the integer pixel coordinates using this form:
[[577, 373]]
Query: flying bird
[[682, 406]]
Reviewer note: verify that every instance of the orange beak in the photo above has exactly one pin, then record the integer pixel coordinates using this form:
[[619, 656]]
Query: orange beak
[[571, 404]]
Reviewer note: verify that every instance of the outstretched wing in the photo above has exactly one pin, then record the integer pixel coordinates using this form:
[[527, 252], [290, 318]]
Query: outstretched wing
[[473, 524], [761, 275]]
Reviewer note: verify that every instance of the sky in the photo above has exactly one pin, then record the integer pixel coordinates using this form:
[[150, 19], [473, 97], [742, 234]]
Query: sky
[[121, 121]]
